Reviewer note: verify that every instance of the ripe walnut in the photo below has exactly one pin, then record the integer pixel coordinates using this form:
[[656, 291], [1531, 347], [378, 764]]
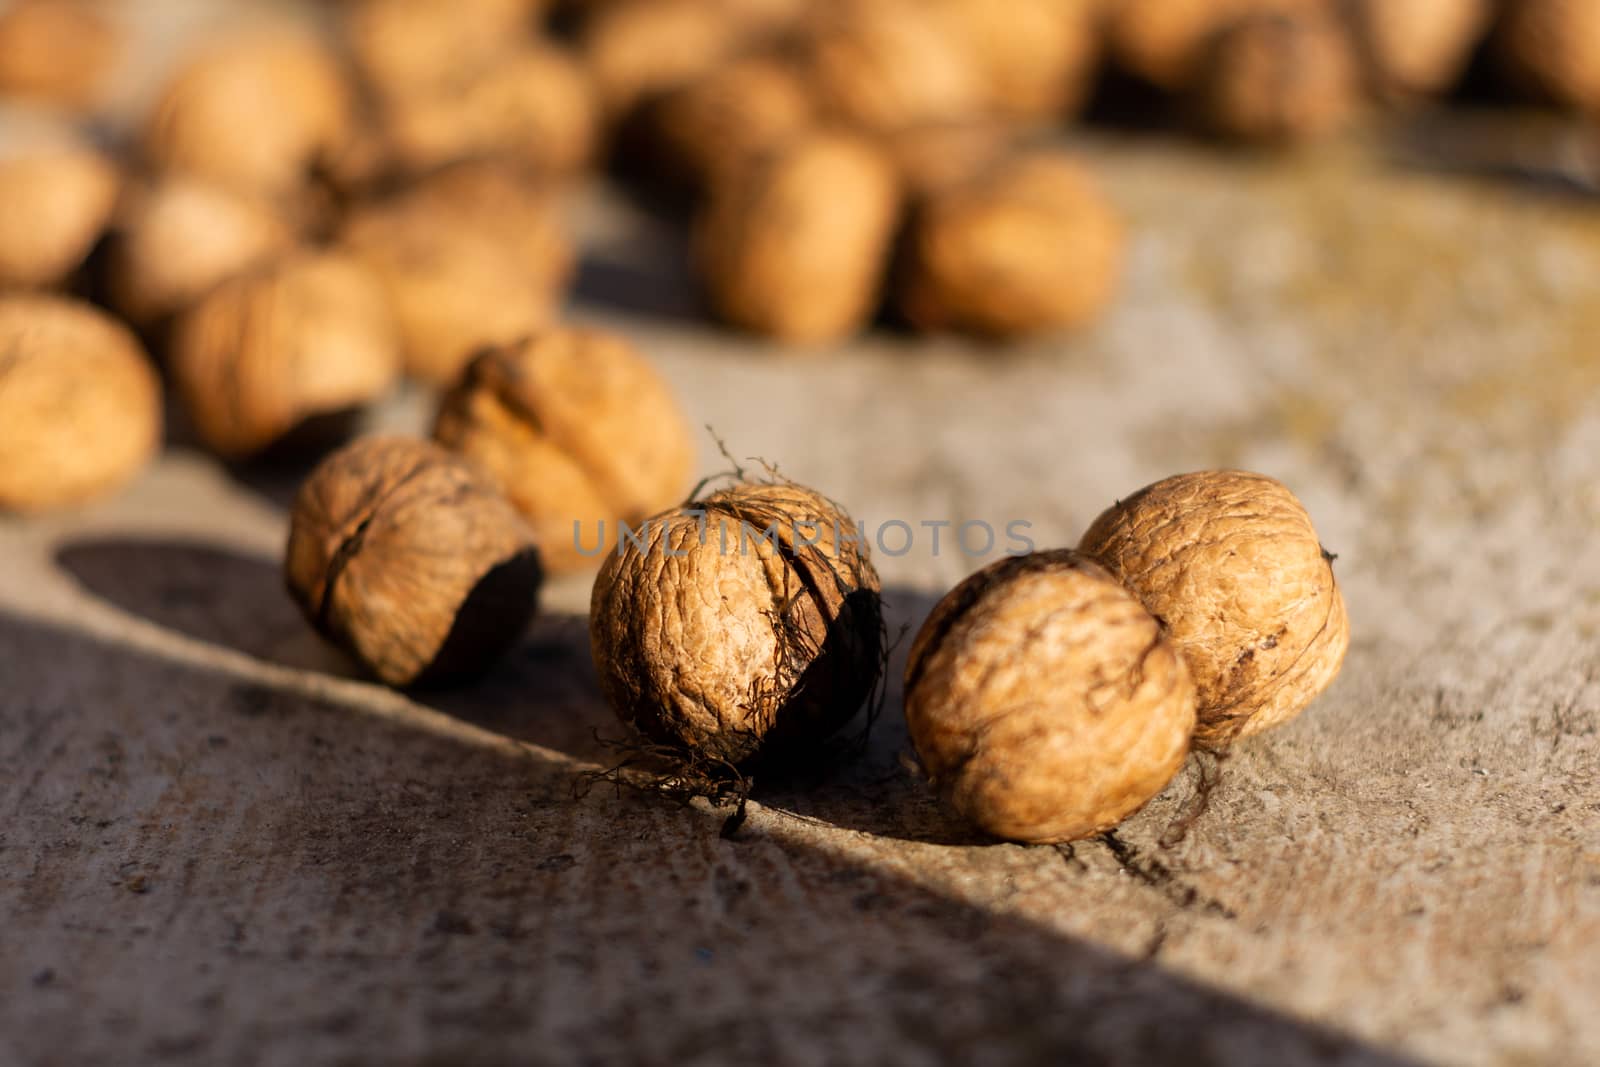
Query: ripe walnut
[[57, 51], [1028, 245], [57, 193], [886, 64], [308, 336], [410, 559], [1280, 77], [1044, 702], [715, 125], [742, 627], [1165, 41], [406, 46], [1230, 564], [470, 257], [178, 237], [1552, 48], [579, 431], [80, 405], [796, 245], [259, 112], [535, 104], [1036, 59]]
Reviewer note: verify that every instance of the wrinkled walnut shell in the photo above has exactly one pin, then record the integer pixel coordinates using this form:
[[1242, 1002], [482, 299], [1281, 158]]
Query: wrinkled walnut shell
[[708, 130], [1165, 42], [57, 193], [730, 647], [578, 429], [80, 405], [1230, 564], [410, 559], [1280, 77], [1029, 246], [402, 47], [57, 51], [1044, 702], [536, 104], [1552, 49], [258, 112], [308, 336], [469, 259], [1035, 59], [886, 64], [178, 237], [795, 246], [636, 49]]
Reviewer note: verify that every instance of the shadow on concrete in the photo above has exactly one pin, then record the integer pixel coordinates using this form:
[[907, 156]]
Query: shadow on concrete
[[217, 869]]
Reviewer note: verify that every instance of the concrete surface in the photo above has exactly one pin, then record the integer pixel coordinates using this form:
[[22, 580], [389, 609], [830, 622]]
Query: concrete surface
[[218, 846]]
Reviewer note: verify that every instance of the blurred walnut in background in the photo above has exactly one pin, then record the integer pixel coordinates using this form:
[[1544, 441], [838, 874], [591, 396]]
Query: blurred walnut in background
[[57, 192], [57, 52]]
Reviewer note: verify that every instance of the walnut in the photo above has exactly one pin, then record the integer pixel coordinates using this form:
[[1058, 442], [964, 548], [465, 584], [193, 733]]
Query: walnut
[[1415, 48], [1230, 564], [57, 52], [1028, 246], [714, 126], [80, 405], [888, 64], [1044, 702], [259, 112], [408, 558], [796, 246], [1279, 77], [1036, 59], [1552, 49], [474, 256], [636, 49], [310, 335], [1165, 41], [745, 627], [57, 193], [536, 104], [579, 431], [177, 238], [936, 156], [403, 47]]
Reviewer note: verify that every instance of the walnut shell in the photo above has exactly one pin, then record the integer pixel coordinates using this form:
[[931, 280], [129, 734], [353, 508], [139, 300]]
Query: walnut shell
[[177, 238], [1552, 49], [578, 430], [536, 104], [57, 51], [80, 405], [1414, 48], [716, 125], [1044, 702], [410, 559], [636, 49], [402, 47], [936, 156], [796, 245], [1036, 59], [57, 194], [1165, 42], [1280, 77], [714, 638], [470, 258], [260, 112], [1230, 564], [1029, 246], [886, 64], [309, 335]]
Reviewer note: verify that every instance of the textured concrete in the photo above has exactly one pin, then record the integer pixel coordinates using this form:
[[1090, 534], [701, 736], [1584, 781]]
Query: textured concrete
[[218, 846]]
